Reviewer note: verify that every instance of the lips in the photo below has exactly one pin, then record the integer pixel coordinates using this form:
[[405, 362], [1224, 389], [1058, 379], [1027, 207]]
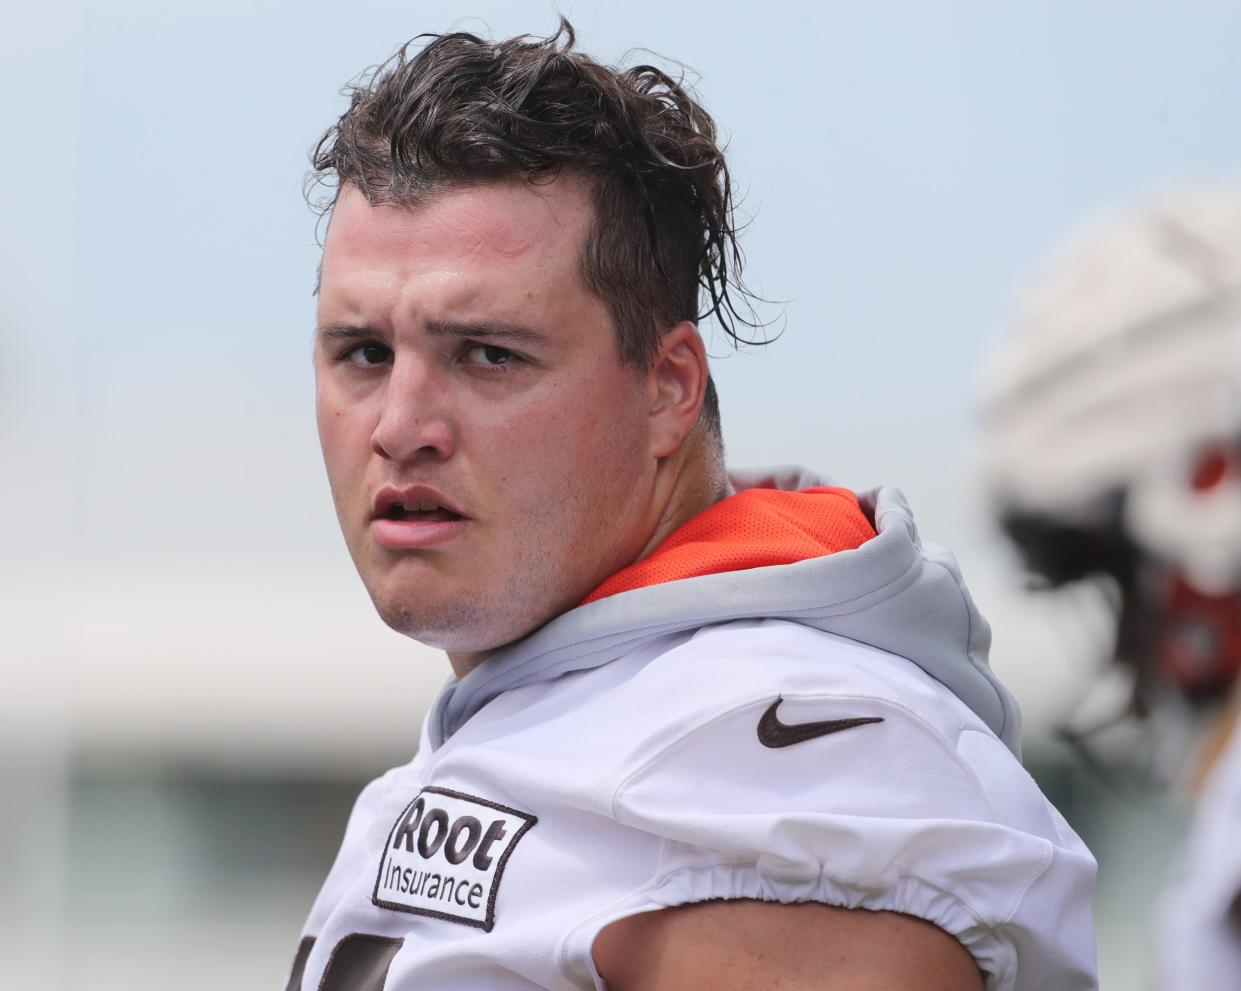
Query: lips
[[419, 511], [415, 518], [414, 502]]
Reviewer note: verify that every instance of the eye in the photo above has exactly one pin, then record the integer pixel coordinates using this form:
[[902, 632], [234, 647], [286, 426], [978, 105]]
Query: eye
[[488, 356], [366, 355]]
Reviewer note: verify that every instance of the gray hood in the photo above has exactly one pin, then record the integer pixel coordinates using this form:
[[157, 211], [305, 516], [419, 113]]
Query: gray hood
[[895, 592]]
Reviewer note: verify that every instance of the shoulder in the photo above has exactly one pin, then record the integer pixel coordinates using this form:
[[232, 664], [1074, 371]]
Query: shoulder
[[783, 764], [714, 688], [773, 714], [704, 706], [730, 662]]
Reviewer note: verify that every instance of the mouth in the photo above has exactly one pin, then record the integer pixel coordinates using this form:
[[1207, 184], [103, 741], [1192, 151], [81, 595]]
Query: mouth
[[415, 519], [420, 511]]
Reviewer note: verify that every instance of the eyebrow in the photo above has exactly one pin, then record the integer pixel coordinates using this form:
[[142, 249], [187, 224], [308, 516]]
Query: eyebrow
[[475, 330], [487, 330], [344, 333]]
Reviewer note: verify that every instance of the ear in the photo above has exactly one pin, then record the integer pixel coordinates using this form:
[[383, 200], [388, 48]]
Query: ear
[[676, 382]]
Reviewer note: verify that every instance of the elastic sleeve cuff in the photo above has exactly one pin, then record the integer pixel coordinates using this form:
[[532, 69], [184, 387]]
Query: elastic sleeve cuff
[[992, 952]]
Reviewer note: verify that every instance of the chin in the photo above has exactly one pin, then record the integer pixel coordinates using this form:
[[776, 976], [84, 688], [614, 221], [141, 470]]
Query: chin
[[457, 627]]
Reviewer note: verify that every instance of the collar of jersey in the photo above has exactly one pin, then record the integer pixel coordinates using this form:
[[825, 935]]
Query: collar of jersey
[[890, 591], [754, 528]]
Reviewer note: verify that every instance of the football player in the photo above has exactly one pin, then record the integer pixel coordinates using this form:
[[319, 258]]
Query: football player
[[705, 728], [1113, 453]]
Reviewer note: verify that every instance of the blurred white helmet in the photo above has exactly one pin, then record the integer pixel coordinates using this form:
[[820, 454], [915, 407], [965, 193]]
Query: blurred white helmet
[[1112, 428]]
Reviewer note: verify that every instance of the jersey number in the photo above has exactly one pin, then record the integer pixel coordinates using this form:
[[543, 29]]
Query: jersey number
[[358, 963]]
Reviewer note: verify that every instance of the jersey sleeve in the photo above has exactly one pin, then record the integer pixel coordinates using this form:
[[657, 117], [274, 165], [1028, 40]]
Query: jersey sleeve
[[860, 803]]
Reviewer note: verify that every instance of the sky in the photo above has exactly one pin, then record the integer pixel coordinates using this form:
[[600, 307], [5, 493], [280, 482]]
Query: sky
[[904, 168]]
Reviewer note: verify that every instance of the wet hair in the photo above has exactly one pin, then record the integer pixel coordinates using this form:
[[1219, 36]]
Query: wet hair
[[454, 109]]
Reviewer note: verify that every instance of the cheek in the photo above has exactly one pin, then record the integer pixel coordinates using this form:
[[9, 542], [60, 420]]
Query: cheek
[[581, 441], [578, 423], [343, 437]]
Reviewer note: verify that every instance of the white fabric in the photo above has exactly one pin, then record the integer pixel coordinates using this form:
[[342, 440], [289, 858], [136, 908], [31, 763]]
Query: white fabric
[[1200, 938], [651, 789]]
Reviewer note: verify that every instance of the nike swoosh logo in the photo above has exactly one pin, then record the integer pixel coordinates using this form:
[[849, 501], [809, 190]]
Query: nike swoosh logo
[[773, 733]]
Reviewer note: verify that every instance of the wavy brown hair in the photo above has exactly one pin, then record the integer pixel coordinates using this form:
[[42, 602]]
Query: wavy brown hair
[[452, 109]]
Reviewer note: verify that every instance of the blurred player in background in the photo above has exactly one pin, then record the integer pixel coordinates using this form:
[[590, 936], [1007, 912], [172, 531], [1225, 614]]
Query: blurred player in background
[[1113, 454], [707, 729]]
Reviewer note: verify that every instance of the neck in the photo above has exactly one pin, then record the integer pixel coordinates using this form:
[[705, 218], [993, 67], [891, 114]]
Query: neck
[[687, 482], [691, 483]]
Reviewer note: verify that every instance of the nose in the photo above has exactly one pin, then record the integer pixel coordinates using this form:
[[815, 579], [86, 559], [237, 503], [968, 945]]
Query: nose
[[413, 424]]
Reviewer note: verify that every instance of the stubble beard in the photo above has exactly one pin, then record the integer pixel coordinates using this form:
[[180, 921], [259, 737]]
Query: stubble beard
[[483, 617], [539, 582]]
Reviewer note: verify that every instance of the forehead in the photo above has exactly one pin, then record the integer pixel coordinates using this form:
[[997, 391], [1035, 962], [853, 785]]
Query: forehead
[[508, 223]]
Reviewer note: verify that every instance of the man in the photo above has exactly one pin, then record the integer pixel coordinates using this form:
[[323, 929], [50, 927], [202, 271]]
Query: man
[[705, 730]]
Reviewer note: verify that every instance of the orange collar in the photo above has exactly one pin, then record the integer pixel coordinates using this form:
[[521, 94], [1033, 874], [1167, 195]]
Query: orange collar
[[752, 529]]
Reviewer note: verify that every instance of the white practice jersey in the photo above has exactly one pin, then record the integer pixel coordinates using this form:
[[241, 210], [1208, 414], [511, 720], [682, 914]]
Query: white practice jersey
[[660, 747]]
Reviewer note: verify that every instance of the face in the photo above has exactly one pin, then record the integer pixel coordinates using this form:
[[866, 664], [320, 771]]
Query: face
[[489, 456]]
